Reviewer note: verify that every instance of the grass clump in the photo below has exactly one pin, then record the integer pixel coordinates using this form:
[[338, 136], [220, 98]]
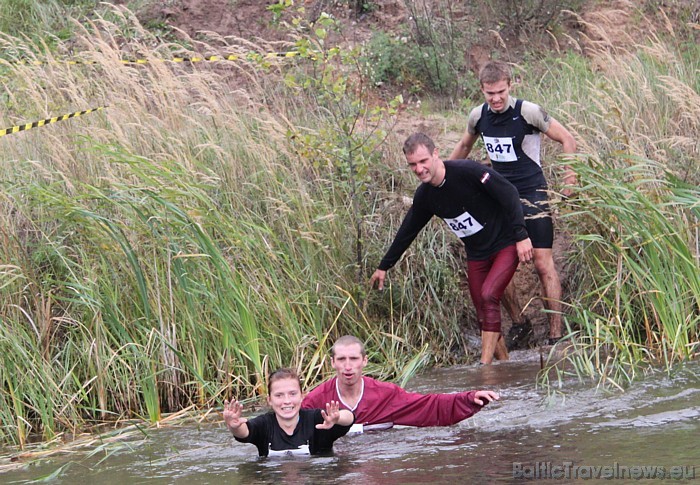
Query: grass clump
[[47, 21], [220, 219]]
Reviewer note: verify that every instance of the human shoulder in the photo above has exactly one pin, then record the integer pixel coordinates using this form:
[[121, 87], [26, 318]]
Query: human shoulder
[[467, 166], [469, 173], [260, 427], [265, 419], [535, 115], [474, 117], [419, 196], [371, 383], [324, 386]]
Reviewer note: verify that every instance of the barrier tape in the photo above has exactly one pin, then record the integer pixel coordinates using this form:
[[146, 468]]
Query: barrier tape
[[214, 58], [48, 121]]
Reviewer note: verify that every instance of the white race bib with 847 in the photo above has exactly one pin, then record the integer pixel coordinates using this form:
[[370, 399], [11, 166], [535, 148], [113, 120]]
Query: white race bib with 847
[[464, 225], [500, 149]]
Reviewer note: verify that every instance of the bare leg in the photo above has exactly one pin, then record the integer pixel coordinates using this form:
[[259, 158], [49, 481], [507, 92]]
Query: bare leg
[[512, 304], [492, 345], [551, 287], [488, 346], [501, 352]]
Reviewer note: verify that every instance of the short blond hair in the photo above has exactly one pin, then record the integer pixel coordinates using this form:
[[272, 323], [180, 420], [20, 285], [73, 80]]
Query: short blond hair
[[494, 71], [348, 340]]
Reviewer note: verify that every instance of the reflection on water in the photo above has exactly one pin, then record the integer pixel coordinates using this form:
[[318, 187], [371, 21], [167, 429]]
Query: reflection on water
[[653, 424]]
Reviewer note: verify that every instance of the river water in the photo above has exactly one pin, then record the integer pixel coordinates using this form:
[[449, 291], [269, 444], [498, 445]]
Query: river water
[[651, 430]]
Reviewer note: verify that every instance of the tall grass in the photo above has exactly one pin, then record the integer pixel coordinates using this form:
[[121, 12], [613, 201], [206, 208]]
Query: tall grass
[[45, 21], [169, 251], [635, 218]]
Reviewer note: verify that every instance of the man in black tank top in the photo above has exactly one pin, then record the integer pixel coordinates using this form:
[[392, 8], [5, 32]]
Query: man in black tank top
[[511, 131]]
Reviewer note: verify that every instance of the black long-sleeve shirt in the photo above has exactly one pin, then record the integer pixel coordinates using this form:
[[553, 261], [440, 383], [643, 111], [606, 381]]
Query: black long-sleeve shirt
[[480, 206]]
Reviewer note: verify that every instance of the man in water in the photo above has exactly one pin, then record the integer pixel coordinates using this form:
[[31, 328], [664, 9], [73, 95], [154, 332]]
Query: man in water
[[380, 405], [511, 131]]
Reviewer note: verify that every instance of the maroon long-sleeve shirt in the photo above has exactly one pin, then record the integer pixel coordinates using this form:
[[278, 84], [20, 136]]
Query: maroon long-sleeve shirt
[[384, 403]]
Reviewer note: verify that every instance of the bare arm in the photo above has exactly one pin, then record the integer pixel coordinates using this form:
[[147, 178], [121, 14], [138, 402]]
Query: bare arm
[[464, 146], [558, 133], [232, 417]]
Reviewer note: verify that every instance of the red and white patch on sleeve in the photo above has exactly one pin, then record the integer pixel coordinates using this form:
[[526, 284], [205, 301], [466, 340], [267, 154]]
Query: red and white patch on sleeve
[[485, 177]]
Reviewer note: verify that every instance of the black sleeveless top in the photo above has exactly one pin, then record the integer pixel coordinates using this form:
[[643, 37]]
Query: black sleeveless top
[[503, 134]]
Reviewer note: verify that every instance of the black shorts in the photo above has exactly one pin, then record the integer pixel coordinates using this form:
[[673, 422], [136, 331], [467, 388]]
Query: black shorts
[[538, 218]]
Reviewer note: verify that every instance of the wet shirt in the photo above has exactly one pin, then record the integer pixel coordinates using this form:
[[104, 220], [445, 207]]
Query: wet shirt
[[478, 205], [270, 439], [512, 139], [386, 404]]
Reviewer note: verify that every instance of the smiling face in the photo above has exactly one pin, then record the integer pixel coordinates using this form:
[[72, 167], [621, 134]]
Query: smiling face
[[496, 94], [348, 363], [426, 165], [285, 398]]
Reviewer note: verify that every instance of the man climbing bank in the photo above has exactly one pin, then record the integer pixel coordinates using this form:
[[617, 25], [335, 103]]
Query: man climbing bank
[[511, 131]]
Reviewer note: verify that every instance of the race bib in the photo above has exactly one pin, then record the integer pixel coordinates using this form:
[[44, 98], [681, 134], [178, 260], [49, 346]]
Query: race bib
[[500, 149], [464, 225]]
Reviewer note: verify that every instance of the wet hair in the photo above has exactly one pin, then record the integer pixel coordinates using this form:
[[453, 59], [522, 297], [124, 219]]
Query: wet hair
[[494, 71], [415, 140], [348, 340], [279, 374]]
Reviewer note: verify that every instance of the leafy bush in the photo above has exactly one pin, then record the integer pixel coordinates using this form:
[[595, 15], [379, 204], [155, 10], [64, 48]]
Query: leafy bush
[[399, 61]]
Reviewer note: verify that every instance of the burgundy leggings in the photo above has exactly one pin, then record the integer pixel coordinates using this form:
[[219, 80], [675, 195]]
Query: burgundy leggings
[[487, 282]]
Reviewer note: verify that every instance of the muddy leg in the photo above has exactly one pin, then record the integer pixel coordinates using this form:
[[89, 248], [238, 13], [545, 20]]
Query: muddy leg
[[501, 352], [492, 344]]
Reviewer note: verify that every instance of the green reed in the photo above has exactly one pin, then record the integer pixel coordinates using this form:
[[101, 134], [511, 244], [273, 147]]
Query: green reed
[[634, 218], [172, 250], [638, 301]]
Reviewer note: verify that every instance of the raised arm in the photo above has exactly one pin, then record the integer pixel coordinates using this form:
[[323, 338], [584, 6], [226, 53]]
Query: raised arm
[[233, 419]]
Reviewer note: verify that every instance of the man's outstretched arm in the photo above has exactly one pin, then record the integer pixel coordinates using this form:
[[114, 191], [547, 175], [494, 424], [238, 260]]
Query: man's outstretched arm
[[414, 409]]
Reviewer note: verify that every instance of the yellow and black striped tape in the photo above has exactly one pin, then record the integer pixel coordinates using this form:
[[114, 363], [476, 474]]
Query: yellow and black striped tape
[[48, 121], [214, 58]]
